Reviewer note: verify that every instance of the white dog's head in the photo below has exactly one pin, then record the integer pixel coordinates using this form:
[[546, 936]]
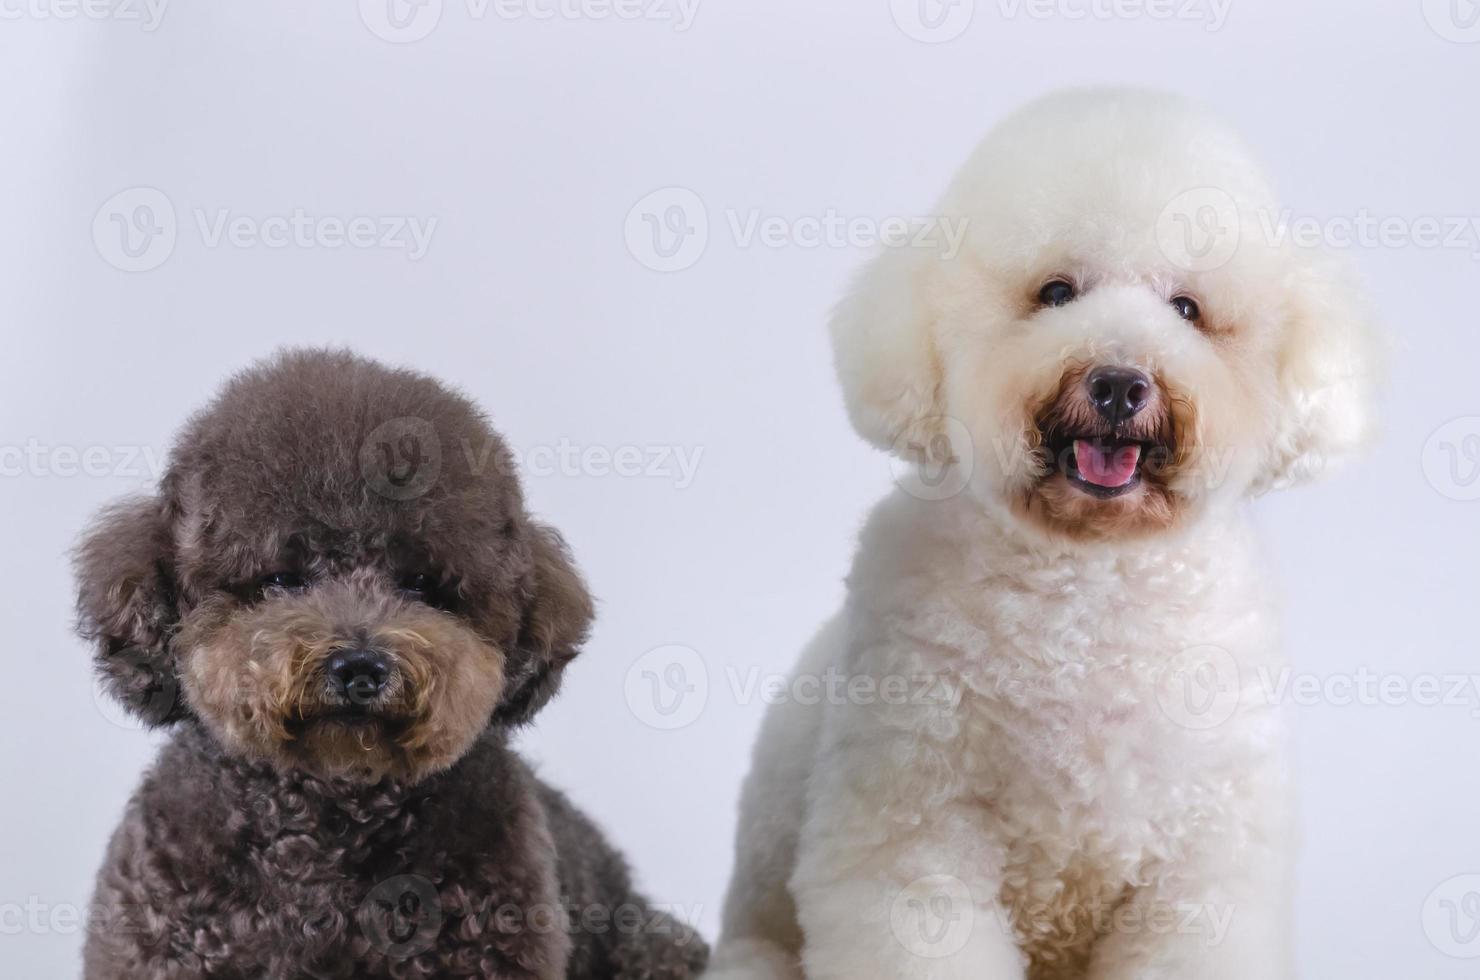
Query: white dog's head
[[1119, 342]]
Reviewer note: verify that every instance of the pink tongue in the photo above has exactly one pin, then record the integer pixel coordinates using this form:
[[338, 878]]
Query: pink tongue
[[1106, 466]]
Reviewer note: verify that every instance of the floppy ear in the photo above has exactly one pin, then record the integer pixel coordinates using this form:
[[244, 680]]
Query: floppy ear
[[885, 354], [126, 606], [1329, 361], [557, 618]]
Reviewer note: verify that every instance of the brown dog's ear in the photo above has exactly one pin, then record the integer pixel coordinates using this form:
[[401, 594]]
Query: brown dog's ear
[[126, 606], [557, 618]]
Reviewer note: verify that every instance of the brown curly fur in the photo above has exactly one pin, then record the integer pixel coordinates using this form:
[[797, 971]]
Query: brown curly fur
[[1166, 426], [277, 838]]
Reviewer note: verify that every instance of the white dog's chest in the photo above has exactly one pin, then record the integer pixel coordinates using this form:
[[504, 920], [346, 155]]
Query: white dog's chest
[[1090, 783], [1078, 741], [1080, 731]]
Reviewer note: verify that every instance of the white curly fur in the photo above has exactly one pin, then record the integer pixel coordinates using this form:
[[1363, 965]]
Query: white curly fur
[[1052, 806]]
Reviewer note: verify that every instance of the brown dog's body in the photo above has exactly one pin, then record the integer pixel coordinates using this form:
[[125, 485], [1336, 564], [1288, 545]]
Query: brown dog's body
[[229, 869], [341, 605]]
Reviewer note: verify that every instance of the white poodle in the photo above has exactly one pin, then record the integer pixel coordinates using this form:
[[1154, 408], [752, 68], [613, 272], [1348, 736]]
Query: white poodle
[[1042, 746]]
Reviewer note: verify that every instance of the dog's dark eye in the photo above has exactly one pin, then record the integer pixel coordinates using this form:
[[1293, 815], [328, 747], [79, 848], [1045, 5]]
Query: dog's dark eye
[[1056, 292], [419, 582], [1187, 308], [420, 585], [288, 581]]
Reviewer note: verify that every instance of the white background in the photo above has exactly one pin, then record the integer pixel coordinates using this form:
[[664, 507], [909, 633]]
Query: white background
[[529, 142]]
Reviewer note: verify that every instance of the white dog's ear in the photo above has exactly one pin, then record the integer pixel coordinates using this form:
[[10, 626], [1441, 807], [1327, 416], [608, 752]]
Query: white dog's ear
[[1329, 361], [884, 349]]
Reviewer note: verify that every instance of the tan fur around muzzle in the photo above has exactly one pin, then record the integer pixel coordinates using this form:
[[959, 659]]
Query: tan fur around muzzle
[[255, 673], [1168, 425]]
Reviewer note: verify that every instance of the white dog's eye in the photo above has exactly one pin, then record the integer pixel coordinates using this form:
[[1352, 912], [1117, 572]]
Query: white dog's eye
[[1187, 308], [1056, 292]]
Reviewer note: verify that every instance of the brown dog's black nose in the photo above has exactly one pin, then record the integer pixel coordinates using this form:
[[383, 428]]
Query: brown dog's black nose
[[1118, 393], [360, 675]]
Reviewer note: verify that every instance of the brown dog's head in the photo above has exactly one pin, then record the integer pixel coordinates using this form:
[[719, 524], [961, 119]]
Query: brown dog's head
[[338, 575]]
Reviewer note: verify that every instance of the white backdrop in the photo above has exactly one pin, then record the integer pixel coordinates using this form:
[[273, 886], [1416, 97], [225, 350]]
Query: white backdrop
[[499, 162]]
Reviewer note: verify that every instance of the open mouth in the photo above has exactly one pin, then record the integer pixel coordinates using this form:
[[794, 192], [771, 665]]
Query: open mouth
[[1101, 466]]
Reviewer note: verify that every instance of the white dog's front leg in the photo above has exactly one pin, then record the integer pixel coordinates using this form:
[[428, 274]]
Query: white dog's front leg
[[895, 878], [1212, 921], [897, 921]]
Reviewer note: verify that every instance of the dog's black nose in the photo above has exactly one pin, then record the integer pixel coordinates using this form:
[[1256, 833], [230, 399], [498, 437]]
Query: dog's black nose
[[1118, 393], [360, 675]]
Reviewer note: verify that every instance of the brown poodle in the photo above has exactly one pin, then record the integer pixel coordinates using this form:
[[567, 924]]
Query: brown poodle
[[339, 603]]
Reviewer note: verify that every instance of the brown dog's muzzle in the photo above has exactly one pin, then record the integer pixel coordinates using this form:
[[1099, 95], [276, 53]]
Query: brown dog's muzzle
[[345, 678], [358, 677]]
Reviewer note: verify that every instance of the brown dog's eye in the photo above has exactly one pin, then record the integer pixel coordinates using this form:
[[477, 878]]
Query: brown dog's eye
[[1056, 292], [420, 582], [424, 587], [288, 581], [1187, 308]]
